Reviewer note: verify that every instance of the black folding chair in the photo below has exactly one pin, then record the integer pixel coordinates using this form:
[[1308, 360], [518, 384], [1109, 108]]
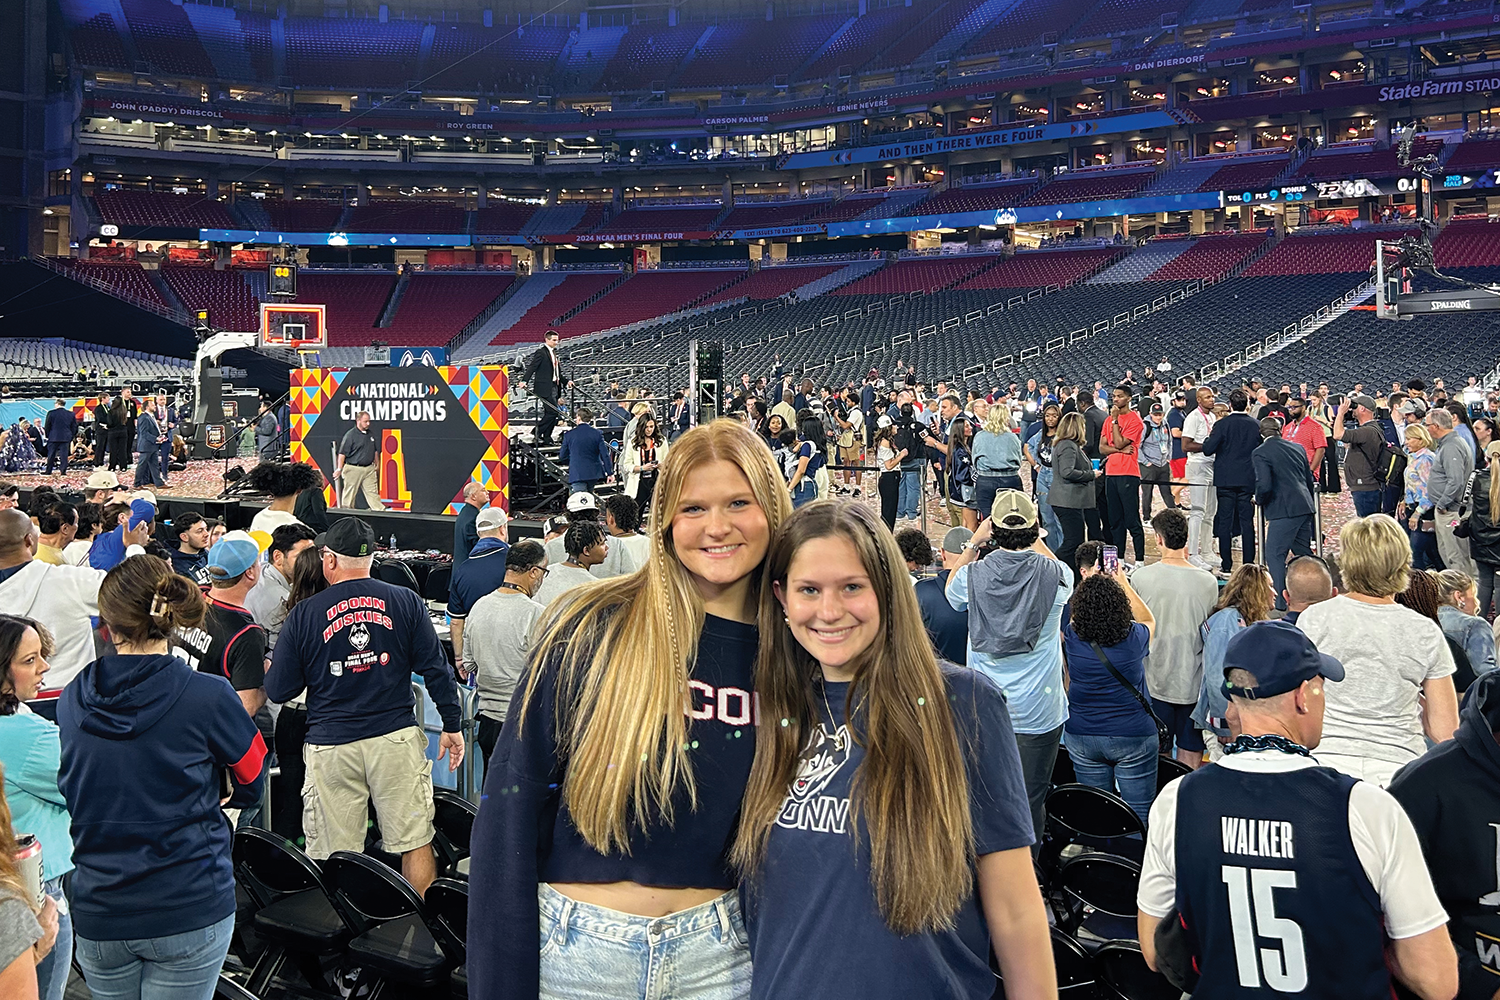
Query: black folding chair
[[1168, 770], [447, 902], [388, 926], [296, 915], [397, 574], [435, 588], [1101, 889], [228, 989], [453, 821], [1077, 979], [1123, 969], [1082, 816], [1062, 769]]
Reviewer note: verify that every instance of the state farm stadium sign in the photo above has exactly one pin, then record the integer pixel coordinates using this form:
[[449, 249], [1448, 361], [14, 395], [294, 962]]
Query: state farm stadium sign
[[1439, 88]]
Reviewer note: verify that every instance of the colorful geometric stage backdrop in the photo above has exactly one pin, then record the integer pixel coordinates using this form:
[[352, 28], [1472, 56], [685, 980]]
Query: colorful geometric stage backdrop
[[440, 428]]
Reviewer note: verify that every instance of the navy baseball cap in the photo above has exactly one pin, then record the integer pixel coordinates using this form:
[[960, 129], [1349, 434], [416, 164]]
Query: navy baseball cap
[[1281, 657]]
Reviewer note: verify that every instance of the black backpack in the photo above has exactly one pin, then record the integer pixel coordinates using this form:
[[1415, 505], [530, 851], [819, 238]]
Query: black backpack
[[1390, 464]]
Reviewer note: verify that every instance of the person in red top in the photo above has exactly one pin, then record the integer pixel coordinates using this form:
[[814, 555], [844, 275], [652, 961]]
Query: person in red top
[[1302, 429], [1120, 445]]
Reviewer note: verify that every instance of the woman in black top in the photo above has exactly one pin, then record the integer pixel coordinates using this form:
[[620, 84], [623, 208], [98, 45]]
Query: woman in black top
[[614, 792]]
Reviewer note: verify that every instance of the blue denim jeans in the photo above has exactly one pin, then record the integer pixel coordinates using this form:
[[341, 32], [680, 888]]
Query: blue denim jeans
[[1366, 502], [176, 967], [805, 493], [1126, 764], [52, 974], [909, 504], [589, 951], [1049, 519]]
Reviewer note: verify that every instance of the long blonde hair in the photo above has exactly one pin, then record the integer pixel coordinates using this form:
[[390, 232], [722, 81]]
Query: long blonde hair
[[1492, 452], [998, 421], [10, 872], [622, 648], [911, 790]]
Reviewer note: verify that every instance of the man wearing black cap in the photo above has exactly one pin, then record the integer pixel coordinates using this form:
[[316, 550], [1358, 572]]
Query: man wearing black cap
[[1362, 445], [354, 648], [1289, 877]]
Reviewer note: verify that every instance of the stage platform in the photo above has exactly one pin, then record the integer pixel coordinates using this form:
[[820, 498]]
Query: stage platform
[[197, 488]]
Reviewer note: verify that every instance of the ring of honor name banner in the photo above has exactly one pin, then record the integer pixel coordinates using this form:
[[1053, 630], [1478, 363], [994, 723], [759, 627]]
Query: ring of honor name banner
[[439, 429]]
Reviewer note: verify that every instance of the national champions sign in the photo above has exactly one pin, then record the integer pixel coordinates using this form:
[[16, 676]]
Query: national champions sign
[[439, 428]]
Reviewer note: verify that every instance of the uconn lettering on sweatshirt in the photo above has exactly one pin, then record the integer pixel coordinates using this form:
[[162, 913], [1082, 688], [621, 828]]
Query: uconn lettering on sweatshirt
[[1258, 838], [370, 610]]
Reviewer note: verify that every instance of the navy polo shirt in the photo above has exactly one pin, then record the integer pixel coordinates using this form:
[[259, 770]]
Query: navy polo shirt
[[480, 574]]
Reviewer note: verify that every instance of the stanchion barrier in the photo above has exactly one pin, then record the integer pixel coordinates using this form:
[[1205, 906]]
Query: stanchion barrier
[[431, 724]]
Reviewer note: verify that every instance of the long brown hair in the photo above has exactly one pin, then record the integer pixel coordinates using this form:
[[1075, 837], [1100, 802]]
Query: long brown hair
[[1248, 592], [10, 872], [622, 648], [141, 601], [1492, 452], [911, 790]]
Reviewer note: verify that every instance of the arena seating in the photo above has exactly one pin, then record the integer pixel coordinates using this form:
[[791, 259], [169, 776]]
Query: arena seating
[[303, 215], [773, 282], [1468, 242], [868, 34], [1186, 177], [503, 218], [755, 215], [126, 278], [1141, 263], [145, 208], [1090, 185], [96, 42], [571, 292], [352, 51], [25, 358], [909, 47], [1023, 23], [355, 301], [435, 307], [1040, 268], [1211, 257], [753, 51], [919, 275], [646, 218], [861, 204], [165, 38], [649, 52], [568, 217], [646, 294], [1479, 153], [1248, 174], [411, 216], [1362, 160], [231, 302], [979, 197], [510, 58], [1112, 17], [1322, 252]]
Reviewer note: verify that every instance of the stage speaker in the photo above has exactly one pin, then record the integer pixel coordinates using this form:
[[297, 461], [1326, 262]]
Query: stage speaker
[[706, 375]]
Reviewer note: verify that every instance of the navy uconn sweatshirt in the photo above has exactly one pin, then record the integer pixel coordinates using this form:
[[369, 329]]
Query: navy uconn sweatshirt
[[143, 741]]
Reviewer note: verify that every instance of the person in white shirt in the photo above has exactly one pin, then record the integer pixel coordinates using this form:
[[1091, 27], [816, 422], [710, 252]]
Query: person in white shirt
[[63, 598], [1399, 692], [586, 548], [266, 601], [1200, 476], [629, 550], [282, 482], [1287, 876]]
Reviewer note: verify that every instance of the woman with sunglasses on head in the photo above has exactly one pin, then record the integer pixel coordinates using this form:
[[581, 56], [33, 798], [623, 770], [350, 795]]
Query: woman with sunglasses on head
[[886, 798], [600, 854]]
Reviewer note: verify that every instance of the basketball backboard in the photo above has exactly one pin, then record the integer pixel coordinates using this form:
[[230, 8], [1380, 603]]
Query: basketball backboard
[[292, 326]]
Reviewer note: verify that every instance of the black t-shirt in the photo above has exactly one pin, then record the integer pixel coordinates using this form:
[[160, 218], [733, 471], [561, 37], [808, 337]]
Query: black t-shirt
[[228, 644]]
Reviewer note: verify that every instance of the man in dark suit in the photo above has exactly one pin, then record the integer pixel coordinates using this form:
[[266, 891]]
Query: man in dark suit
[[544, 375], [60, 427], [1285, 491], [1232, 442], [585, 454]]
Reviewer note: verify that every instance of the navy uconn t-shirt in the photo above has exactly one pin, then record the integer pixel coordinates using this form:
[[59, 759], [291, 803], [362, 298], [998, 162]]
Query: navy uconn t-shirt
[[815, 926]]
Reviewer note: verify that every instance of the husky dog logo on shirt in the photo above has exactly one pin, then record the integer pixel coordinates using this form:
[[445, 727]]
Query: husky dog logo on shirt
[[359, 636], [806, 808]]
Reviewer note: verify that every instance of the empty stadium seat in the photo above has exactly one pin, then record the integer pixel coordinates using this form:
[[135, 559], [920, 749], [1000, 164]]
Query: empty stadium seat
[[436, 307], [145, 208]]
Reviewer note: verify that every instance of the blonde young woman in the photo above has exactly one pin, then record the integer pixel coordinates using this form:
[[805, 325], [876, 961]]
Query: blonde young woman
[[600, 854], [886, 832]]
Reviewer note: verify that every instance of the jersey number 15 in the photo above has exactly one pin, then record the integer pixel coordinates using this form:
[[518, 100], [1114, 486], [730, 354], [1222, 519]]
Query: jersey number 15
[[1252, 912]]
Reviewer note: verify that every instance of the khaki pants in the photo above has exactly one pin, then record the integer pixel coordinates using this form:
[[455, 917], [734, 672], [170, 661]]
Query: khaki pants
[[361, 479], [1454, 550], [392, 771]]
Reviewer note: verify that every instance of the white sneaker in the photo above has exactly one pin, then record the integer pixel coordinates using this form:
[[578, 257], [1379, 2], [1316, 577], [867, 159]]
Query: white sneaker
[[1199, 562]]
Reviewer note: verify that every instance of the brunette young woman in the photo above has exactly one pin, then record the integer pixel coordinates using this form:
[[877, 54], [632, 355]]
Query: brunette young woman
[[640, 461], [888, 459], [885, 838], [600, 854]]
